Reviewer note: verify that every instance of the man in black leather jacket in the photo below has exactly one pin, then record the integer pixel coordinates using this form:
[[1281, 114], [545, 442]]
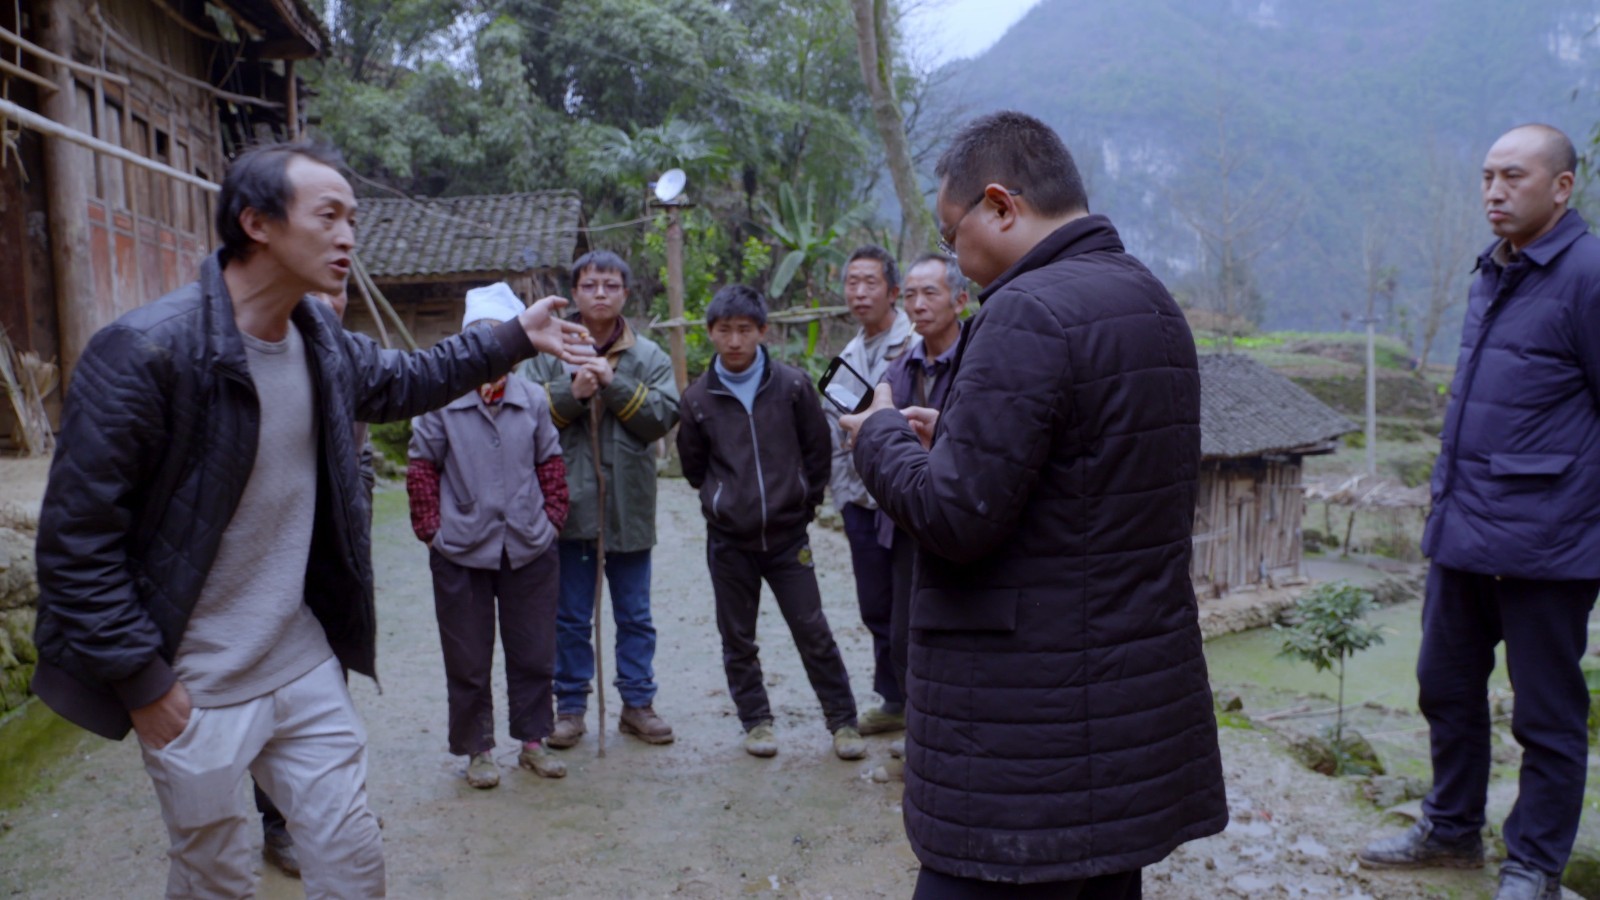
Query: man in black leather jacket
[[203, 551]]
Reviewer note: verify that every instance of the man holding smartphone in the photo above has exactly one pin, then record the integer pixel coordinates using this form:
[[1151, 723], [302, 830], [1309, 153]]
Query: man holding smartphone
[[1061, 734], [871, 283]]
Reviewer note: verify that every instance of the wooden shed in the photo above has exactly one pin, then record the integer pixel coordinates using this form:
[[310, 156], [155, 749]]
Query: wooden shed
[[1255, 428], [118, 118], [423, 255]]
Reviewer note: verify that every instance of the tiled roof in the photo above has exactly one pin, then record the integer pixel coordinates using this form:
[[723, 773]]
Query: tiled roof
[[461, 235], [1246, 409]]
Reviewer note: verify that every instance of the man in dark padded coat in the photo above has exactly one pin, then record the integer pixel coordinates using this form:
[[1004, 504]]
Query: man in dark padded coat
[[205, 570], [1060, 733]]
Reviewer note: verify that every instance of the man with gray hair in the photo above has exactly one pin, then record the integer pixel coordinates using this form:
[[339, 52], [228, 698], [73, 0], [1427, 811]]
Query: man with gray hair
[[871, 284], [935, 296], [1513, 535]]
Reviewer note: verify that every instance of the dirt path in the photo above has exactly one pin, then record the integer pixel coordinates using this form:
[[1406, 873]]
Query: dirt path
[[696, 819]]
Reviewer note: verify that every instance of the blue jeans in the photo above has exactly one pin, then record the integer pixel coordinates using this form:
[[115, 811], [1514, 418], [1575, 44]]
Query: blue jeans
[[628, 574]]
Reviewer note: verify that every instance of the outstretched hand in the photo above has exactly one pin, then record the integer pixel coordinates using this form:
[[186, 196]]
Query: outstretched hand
[[549, 333]]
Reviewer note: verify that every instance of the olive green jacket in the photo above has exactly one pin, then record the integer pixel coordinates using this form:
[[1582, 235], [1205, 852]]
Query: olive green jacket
[[641, 406]]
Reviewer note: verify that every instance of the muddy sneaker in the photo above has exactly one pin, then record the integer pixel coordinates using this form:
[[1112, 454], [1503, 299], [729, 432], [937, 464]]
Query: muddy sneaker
[[568, 731], [897, 749], [482, 773], [534, 756], [881, 720], [847, 744], [893, 770], [277, 848], [1418, 849], [643, 723], [760, 741], [1519, 882]]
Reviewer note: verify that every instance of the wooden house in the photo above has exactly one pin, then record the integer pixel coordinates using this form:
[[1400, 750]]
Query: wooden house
[[423, 255], [1255, 428], [117, 120]]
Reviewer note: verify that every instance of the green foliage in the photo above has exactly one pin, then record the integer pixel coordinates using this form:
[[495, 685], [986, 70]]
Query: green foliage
[[812, 243], [703, 268], [392, 439], [1329, 625]]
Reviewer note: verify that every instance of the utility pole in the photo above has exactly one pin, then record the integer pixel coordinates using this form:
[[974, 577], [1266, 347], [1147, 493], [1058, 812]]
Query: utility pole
[[668, 190], [680, 358], [1372, 391]]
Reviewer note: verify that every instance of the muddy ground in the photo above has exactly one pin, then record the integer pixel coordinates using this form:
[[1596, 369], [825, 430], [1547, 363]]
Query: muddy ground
[[698, 818]]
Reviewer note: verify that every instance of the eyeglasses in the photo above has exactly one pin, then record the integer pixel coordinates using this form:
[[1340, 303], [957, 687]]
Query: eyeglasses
[[947, 242]]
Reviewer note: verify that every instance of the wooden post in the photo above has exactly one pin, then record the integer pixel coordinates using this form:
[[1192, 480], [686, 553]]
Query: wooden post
[[67, 199], [680, 358]]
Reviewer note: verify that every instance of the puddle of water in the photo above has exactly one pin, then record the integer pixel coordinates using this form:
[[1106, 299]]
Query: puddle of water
[[1385, 673]]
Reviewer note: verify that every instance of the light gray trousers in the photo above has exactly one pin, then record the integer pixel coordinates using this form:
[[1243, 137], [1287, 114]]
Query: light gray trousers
[[307, 749]]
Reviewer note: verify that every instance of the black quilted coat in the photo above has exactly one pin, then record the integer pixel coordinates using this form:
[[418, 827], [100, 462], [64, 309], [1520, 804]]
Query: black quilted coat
[[1060, 723], [158, 438]]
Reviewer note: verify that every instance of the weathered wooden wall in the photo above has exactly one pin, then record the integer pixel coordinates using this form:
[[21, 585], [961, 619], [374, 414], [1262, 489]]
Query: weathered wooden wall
[[1247, 523], [27, 283], [147, 233]]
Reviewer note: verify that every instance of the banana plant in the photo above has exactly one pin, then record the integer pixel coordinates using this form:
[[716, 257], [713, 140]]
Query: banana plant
[[809, 243]]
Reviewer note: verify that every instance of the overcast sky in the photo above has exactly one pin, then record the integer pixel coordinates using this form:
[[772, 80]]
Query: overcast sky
[[953, 29]]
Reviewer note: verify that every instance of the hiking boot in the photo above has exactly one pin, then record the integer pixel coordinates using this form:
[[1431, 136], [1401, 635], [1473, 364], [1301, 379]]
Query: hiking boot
[[643, 723], [893, 770], [760, 741], [482, 773], [1418, 849], [544, 764], [881, 720], [847, 744], [897, 749], [277, 848], [1520, 882], [568, 731]]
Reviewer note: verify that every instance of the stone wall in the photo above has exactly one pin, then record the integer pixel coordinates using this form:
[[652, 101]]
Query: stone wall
[[19, 592]]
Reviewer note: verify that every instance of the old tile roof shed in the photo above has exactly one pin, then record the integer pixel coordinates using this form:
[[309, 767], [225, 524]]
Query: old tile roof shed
[[461, 238], [1246, 409]]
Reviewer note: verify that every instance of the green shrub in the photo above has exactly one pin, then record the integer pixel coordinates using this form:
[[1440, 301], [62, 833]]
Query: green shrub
[[392, 439]]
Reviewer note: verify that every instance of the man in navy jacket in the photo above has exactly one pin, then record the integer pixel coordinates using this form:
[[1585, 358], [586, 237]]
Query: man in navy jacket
[[1515, 531]]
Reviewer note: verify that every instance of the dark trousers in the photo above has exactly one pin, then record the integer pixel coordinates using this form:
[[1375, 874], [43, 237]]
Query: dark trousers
[[736, 583], [874, 569], [1545, 628], [464, 600], [933, 885]]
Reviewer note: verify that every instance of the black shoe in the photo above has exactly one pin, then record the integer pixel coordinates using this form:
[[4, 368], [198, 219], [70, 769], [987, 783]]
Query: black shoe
[[277, 848], [1519, 882], [1418, 849]]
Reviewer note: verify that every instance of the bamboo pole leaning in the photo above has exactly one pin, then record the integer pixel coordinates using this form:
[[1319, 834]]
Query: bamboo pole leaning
[[369, 289], [596, 412]]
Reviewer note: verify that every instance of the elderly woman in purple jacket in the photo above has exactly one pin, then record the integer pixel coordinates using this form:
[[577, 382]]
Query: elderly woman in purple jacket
[[488, 496]]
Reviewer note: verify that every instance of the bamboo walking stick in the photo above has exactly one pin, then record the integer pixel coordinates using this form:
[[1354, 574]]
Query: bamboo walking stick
[[595, 412]]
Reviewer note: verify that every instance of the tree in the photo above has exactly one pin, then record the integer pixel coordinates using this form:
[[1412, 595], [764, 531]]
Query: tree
[[1445, 242], [873, 42], [1238, 213], [1330, 626]]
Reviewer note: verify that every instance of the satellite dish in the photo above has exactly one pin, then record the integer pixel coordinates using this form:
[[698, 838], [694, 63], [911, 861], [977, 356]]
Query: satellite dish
[[669, 186]]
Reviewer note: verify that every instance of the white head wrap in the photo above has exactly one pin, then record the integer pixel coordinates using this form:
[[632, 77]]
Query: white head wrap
[[497, 302]]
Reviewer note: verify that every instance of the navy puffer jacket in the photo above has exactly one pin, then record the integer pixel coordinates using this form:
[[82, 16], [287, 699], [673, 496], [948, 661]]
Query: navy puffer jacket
[[1060, 722], [1516, 488]]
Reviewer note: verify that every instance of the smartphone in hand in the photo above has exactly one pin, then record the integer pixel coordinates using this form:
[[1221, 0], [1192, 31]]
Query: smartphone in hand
[[845, 388]]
